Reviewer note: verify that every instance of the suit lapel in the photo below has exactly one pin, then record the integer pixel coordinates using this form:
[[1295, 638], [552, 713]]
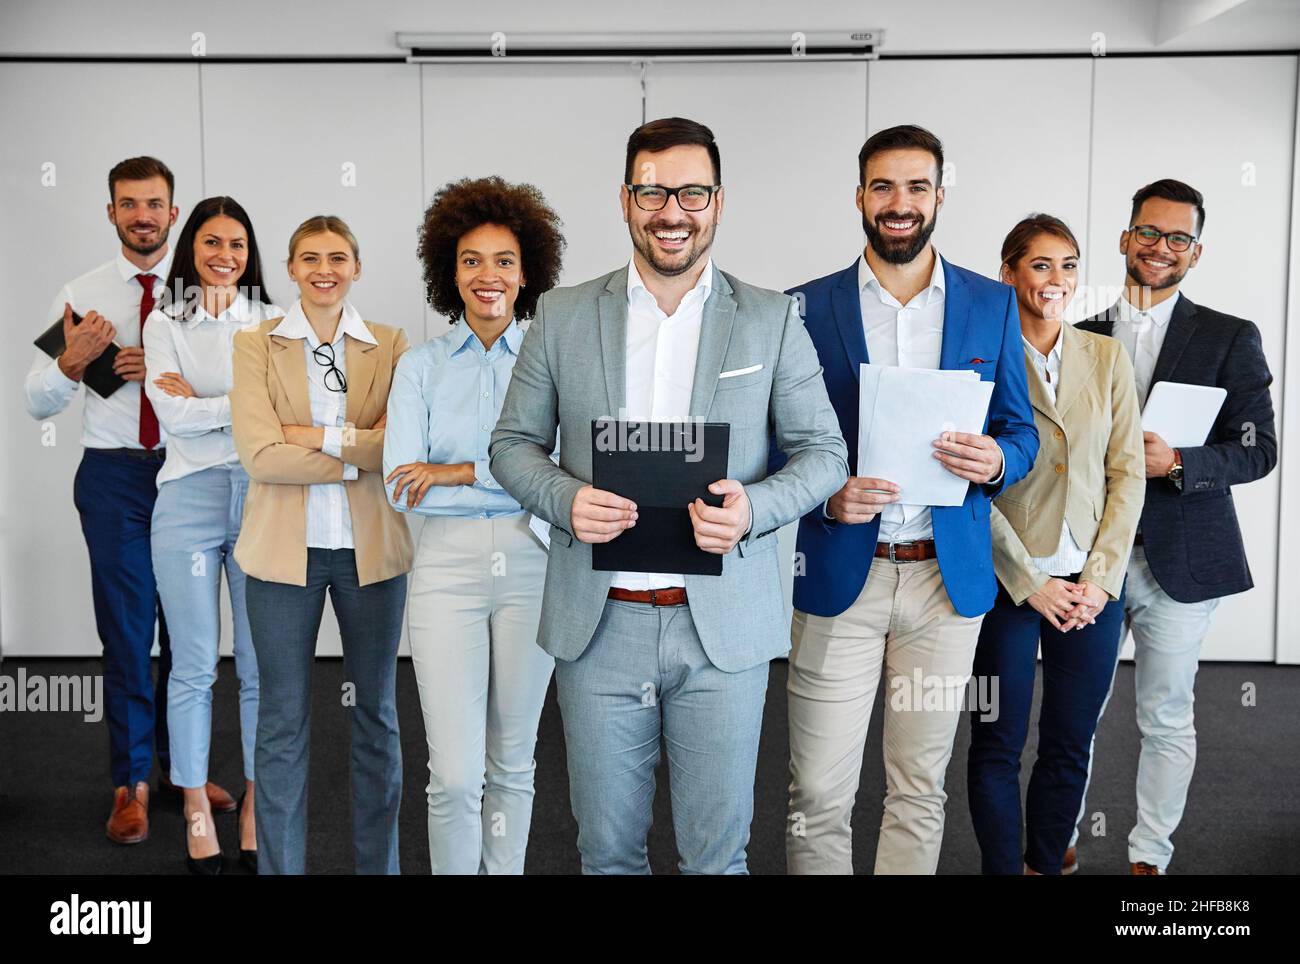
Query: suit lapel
[[361, 374], [1077, 364], [846, 306], [289, 360], [1038, 396], [1182, 325], [715, 335], [956, 313], [611, 330]]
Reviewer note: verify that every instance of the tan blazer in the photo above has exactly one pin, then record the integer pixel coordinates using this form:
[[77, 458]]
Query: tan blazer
[[1090, 470], [270, 391]]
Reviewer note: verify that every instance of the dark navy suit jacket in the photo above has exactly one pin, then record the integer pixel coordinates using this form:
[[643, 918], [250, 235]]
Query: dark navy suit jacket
[[981, 331], [1190, 536]]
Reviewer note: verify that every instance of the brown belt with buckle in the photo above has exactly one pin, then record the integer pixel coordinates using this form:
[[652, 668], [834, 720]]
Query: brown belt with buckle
[[906, 551], [672, 596]]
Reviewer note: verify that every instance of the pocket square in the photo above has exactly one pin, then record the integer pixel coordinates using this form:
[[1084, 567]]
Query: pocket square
[[741, 371], [977, 361]]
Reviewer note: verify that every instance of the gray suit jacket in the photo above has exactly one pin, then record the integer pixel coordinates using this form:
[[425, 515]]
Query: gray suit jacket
[[571, 369]]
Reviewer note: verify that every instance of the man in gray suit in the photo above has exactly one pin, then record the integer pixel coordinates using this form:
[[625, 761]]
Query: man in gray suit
[[640, 656]]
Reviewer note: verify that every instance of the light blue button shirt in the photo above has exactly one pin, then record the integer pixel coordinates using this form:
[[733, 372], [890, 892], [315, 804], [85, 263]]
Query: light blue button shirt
[[444, 402]]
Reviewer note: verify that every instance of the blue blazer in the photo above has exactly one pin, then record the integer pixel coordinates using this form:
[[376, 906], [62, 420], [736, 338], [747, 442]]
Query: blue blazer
[[981, 331]]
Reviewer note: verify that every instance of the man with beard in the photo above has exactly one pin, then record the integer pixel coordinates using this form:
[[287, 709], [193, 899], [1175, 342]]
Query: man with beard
[[642, 656], [889, 586], [1189, 552], [114, 489]]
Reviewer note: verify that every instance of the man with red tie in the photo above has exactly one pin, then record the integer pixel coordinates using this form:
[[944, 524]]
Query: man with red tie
[[114, 489]]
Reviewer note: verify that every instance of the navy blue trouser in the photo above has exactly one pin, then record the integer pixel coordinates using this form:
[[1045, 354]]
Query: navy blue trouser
[[1077, 670], [285, 620], [114, 493]]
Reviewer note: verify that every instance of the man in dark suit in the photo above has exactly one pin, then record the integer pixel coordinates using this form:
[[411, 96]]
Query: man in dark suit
[[1189, 551]]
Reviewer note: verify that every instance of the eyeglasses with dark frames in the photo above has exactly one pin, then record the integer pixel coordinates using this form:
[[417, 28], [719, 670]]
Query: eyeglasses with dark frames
[[690, 197], [1149, 235], [334, 378]]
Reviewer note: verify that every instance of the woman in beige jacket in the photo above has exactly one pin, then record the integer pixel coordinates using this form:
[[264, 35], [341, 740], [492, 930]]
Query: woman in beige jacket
[[1061, 541], [308, 412]]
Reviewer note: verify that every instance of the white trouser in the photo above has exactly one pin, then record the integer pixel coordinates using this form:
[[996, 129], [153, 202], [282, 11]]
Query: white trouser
[[475, 603], [1167, 636]]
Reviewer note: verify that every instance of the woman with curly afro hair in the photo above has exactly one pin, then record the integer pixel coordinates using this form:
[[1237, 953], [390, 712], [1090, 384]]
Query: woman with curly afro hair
[[489, 250]]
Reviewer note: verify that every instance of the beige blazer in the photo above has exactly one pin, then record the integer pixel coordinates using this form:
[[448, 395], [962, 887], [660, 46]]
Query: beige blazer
[[1090, 470], [270, 391]]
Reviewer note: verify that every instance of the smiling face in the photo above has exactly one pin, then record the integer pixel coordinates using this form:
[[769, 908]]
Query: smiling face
[[488, 273], [672, 241], [220, 251], [323, 267], [1045, 277], [143, 214], [1157, 267], [900, 202]]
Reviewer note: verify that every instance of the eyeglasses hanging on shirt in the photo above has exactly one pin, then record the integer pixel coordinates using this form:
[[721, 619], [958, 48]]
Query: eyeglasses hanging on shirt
[[334, 378]]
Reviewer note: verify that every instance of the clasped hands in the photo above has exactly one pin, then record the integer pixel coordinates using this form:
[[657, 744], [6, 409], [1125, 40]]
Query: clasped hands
[[600, 516]]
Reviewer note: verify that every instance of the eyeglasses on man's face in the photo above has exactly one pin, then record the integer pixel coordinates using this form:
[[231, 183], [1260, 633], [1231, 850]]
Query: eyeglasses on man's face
[[690, 197], [1149, 235]]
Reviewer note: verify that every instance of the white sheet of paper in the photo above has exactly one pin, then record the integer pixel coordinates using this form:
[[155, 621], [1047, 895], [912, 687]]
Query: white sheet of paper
[[1182, 414], [901, 411]]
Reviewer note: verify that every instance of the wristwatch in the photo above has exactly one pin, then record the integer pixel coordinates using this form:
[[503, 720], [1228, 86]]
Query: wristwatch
[[1175, 473]]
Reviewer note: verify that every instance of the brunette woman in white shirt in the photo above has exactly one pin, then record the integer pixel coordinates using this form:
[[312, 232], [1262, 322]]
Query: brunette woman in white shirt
[[213, 290]]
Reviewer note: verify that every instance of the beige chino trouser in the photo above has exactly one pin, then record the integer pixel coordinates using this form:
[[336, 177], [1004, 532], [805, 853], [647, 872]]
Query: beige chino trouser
[[904, 625]]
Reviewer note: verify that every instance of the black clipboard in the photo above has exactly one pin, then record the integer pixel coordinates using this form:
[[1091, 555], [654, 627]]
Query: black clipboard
[[662, 467], [99, 375]]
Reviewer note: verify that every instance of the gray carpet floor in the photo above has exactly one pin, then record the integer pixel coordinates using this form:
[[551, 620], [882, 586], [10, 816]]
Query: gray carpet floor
[[1243, 813]]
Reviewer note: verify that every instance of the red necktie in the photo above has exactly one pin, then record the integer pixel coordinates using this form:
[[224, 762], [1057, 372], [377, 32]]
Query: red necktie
[[148, 420]]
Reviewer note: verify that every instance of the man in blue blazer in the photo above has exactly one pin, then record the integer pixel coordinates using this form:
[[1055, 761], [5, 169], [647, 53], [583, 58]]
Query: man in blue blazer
[[882, 585]]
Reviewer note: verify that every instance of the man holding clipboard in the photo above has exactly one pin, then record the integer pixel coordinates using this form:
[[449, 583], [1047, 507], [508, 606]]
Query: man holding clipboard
[[1189, 552], [895, 590], [645, 655], [115, 486]]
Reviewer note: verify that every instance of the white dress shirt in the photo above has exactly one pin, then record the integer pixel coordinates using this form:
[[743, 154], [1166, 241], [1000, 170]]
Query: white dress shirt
[[329, 518], [909, 336], [1068, 558], [200, 348], [111, 290], [661, 353], [1142, 333]]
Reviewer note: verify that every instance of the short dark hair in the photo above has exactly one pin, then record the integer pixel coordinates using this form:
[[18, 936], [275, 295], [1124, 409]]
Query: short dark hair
[[184, 274], [462, 206], [1170, 190], [1018, 240], [140, 169], [659, 135], [901, 137]]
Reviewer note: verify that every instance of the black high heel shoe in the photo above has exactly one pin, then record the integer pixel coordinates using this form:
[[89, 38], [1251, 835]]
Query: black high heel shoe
[[202, 866], [247, 858]]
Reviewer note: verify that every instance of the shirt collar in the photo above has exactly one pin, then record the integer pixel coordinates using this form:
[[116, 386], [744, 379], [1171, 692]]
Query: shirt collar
[[1054, 352], [237, 310], [462, 337], [704, 285], [128, 271], [295, 325], [937, 283], [1160, 313]]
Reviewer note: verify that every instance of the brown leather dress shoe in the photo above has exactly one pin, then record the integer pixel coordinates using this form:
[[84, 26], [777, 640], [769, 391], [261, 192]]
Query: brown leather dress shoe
[[218, 799], [1071, 862], [129, 822], [1140, 869]]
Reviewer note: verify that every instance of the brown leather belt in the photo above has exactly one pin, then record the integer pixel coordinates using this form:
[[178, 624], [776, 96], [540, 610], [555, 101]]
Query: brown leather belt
[[672, 596], [906, 551]]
